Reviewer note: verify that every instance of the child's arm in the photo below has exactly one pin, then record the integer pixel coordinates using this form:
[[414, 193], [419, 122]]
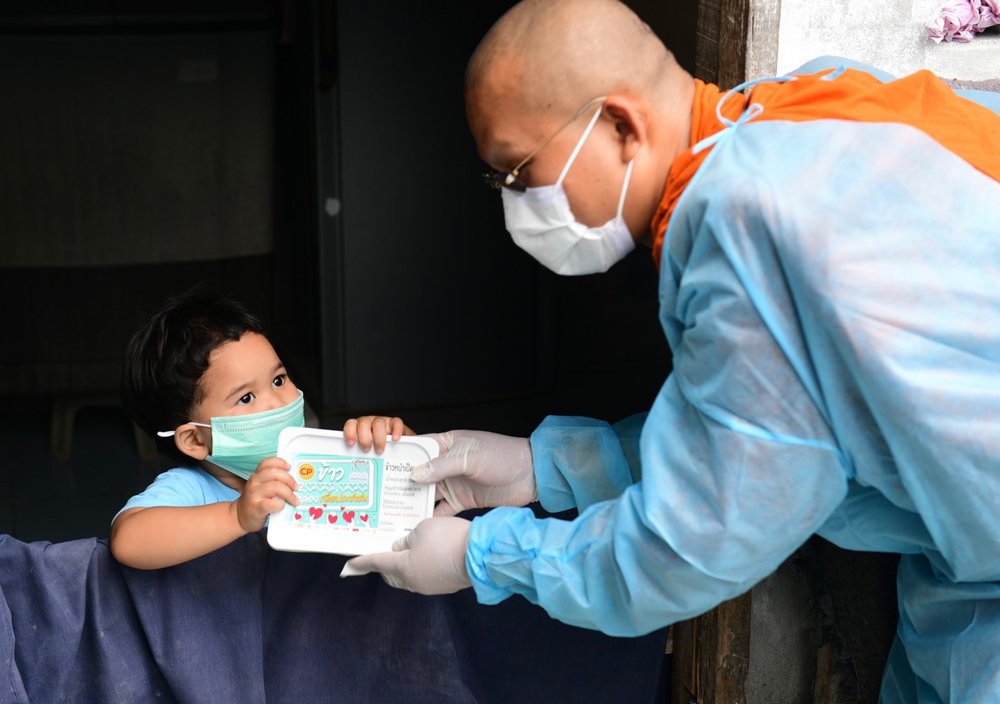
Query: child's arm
[[162, 536], [369, 430]]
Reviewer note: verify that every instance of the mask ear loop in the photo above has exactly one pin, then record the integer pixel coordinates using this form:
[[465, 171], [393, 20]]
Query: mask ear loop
[[170, 433], [579, 145], [621, 198], [623, 239]]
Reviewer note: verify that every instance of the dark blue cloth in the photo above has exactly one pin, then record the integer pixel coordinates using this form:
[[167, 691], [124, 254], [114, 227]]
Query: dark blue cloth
[[247, 624]]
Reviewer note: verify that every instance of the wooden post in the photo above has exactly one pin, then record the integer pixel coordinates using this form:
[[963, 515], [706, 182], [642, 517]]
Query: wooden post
[[712, 655], [736, 40], [762, 39]]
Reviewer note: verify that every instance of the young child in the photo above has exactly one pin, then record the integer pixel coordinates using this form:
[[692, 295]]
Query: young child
[[202, 378]]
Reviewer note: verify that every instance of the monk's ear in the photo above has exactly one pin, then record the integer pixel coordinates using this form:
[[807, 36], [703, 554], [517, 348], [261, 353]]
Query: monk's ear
[[629, 121], [188, 439]]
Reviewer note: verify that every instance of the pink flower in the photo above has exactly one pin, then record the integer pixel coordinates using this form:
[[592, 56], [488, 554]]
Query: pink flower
[[961, 20]]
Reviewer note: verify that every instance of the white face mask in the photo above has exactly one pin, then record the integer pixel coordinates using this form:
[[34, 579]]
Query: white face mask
[[542, 224]]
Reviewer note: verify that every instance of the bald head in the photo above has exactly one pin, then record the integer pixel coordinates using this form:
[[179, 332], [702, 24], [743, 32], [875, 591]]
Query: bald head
[[541, 67], [554, 55]]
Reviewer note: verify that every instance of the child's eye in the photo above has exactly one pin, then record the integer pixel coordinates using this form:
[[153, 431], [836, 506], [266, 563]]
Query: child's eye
[[248, 398], [279, 380]]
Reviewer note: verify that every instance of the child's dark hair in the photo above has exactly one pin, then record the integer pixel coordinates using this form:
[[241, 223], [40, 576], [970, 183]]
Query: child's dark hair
[[167, 356]]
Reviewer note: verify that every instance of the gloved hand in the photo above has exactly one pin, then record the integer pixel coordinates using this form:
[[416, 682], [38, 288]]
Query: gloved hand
[[479, 470], [430, 559]]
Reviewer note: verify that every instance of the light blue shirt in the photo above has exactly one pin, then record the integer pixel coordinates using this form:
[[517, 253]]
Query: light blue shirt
[[182, 486]]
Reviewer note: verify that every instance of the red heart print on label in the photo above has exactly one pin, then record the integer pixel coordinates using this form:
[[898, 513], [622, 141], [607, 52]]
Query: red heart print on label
[[331, 517], [364, 517], [298, 516], [361, 465], [315, 512], [349, 516]]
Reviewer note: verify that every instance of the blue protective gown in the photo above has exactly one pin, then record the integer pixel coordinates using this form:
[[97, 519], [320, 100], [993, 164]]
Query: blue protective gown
[[831, 294]]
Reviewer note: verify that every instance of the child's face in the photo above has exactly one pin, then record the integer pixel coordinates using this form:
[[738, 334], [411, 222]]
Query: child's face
[[243, 377]]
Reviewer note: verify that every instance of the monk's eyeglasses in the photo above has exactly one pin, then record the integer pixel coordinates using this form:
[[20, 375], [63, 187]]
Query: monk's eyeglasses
[[500, 179]]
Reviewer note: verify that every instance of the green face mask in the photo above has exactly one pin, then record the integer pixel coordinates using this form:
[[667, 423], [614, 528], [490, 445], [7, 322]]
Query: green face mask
[[240, 443]]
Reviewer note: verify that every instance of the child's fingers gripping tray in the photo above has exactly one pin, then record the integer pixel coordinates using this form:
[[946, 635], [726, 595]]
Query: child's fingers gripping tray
[[352, 502]]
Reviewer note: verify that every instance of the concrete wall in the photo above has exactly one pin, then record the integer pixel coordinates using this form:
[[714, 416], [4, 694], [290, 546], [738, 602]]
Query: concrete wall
[[785, 634], [888, 35]]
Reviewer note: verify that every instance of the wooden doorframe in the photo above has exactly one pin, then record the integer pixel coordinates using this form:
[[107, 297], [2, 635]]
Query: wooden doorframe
[[737, 40], [711, 655]]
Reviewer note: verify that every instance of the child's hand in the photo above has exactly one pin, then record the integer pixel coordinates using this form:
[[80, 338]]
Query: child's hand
[[367, 430], [266, 492]]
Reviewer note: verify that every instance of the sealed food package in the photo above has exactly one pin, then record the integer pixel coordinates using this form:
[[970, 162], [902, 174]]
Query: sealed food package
[[352, 502]]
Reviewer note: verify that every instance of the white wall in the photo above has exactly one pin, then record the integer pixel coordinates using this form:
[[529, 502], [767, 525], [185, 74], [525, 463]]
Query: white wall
[[886, 34]]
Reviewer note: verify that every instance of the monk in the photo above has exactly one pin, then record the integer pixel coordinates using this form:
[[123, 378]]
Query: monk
[[829, 257]]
